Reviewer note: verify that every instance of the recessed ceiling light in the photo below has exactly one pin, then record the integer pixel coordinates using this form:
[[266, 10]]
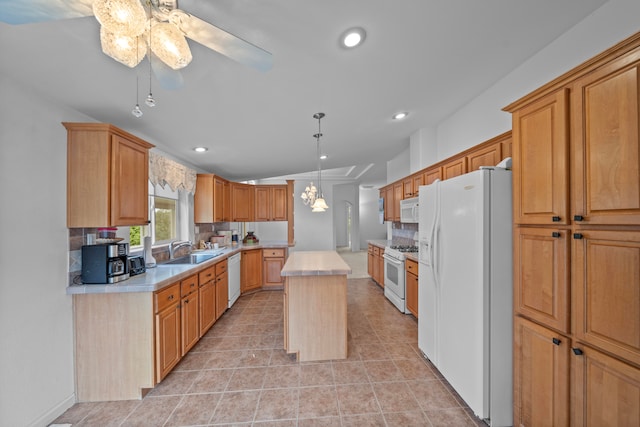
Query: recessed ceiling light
[[200, 149], [323, 157], [400, 116], [353, 37]]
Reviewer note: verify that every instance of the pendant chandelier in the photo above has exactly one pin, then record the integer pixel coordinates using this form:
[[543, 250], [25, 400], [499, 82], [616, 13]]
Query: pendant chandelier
[[313, 196]]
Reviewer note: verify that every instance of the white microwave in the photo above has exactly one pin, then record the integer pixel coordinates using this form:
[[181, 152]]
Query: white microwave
[[409, 210]]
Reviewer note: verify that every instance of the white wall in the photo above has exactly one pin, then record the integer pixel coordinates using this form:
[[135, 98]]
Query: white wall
[[313, 231], [344, 195], [483, 118], [370, 227], [398, 167], [36, 349]]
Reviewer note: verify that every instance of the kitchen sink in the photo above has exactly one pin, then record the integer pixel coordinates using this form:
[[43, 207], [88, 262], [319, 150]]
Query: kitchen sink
[[193, 258]]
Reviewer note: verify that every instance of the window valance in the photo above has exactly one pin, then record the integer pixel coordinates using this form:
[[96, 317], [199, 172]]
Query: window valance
[[165, 171]]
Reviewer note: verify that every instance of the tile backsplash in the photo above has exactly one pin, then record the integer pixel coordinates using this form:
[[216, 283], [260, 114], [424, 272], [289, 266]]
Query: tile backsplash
[[403, 234]]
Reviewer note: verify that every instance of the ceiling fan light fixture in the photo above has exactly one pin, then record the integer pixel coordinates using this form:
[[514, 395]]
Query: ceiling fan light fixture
[[121, 16], [168, 44], [122, 48]]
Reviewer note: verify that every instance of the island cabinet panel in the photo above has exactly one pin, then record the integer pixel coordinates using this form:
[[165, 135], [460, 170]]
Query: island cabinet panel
[[605, 131], [540, 161], [107, 176], [541, 376], [316, 317], [124, 344]]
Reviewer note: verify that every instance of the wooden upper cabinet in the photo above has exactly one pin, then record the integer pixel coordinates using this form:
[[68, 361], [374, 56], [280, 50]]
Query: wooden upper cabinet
[[606, 127], [541, 279], [242, 199], [540, 161], [541, 362], [454, 168], [107, 176], [431, 175], [211, 199], [418, 180], [271, 203], [388, 203], [398, 192], [606, 291], [488, 156], [407, 188], [218, 200]]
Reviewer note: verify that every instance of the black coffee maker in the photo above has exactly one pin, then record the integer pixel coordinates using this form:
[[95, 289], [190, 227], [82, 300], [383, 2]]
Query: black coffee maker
[[105, 264]]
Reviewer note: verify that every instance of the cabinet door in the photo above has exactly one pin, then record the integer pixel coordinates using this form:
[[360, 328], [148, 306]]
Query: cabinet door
[[541, 275], [189, 321], [207, 300], [397, 196], [222, 293], [203, 199], [251, 270], [271, 270], [417, 182], [407, 188], [606, 391], [129, 182], [370, 261], [431, 175], [605, 132], [488, 156], [380, 278], [226, 202], [167, 340], [262, 202], [242, 202], [541, 376], [606, 291], [388, 204], [412, 293], [279, 203], [454, 168], [218, 200], [540, 161]]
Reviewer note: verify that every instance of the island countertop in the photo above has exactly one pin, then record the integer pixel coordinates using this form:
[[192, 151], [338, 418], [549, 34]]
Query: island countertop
[[315, 263]]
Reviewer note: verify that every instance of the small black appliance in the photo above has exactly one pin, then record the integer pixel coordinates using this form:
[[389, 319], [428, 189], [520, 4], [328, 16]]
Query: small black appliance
[[105, 264]]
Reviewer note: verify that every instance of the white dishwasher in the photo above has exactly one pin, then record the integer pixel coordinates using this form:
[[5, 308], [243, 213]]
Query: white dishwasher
[[234, 278]]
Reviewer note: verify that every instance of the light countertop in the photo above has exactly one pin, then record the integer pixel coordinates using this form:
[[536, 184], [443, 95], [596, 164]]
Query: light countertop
[[166, 274], [315, 263]]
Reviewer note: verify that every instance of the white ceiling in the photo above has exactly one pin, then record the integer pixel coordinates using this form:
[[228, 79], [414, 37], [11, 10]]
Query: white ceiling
[[427, 57]]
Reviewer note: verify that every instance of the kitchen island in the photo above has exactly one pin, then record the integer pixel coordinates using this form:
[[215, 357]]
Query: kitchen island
[[315, 305]]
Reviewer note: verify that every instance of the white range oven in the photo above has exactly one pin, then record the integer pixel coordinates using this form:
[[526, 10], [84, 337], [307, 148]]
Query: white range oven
[[394, 275]]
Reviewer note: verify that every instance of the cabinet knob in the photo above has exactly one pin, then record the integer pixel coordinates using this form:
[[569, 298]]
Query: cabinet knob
[[577, 351], [556, 341], [555, 234], [577, 236], [578, 218], [170, 298], [555, 219]]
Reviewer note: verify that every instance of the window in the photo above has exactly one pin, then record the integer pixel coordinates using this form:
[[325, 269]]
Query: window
[[169, 218]]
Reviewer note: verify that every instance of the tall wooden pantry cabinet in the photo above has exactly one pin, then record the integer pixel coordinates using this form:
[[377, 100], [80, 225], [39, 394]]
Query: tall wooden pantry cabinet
[[576, 164]]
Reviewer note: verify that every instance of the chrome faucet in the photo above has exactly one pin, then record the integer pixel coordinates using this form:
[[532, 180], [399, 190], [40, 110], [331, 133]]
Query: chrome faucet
[[177, 244]]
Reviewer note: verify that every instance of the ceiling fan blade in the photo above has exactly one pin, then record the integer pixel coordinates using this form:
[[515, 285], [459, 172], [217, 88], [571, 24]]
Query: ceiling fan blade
[[168, 78], [221, 41], [28, 11]]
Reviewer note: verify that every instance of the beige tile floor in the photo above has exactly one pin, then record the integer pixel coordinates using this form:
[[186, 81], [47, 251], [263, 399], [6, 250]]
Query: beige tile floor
[[238, 375]]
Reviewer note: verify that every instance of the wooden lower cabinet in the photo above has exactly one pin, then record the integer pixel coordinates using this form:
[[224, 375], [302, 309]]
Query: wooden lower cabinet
[[251, 270], [273, 261], [375, 264], [541, 376], [207, 300], [411, 281], [222, 293], [370, 260], [606, 391], [167, 330], [380, 268]]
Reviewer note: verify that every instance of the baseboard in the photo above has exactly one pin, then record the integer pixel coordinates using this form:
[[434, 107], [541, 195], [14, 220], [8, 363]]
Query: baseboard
[[53, 413]]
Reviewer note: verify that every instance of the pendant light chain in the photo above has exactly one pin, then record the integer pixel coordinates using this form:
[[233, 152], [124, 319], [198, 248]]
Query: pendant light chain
[[150, 101], [137, 112]]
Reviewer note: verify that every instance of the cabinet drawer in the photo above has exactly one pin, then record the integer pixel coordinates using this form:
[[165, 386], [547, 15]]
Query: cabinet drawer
[[370, 249], [376, 250], [189, 285], [166, 297], [221, 267], [207, 275], [411, 266], [273, 253]]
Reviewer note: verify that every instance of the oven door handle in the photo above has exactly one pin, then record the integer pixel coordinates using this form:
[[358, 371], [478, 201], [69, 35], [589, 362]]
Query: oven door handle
[[392, 260]]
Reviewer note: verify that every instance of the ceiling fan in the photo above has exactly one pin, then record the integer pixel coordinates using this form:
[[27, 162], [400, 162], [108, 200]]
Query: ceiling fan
[[132, 28]]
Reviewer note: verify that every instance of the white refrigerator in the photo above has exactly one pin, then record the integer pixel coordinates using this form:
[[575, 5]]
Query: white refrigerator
[[465, 288]]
